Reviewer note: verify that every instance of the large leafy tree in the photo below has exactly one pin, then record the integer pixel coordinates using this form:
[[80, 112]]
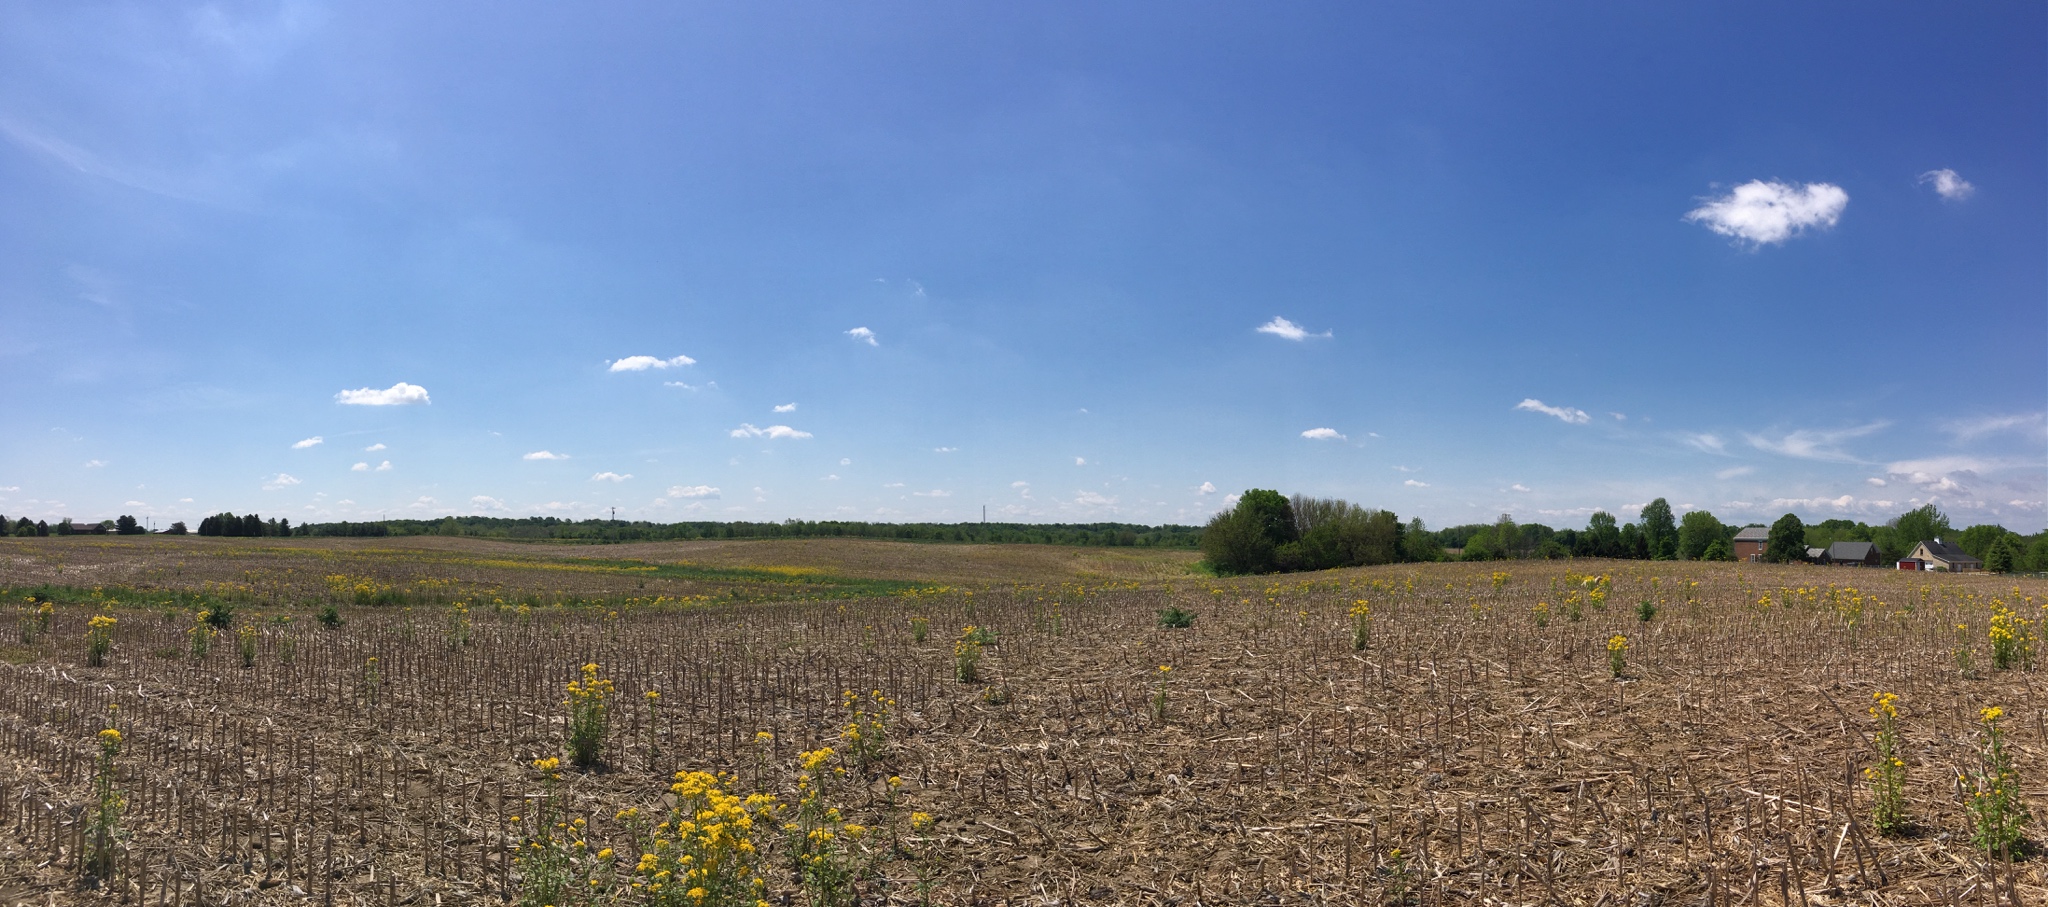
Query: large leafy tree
[[1603, 537], [1696, 531], [1787, 541], [1920, 524], [1660, 531], [1247, 538]]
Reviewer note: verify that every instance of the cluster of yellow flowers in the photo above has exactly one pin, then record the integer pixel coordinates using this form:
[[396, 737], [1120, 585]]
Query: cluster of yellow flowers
[[866, 733], [1886, 707], [2011, 637]]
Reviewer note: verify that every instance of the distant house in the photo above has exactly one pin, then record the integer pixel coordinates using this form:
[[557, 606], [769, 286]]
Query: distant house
[[1852, 554], [1939, 555], [1816, 555], [1750, 543]]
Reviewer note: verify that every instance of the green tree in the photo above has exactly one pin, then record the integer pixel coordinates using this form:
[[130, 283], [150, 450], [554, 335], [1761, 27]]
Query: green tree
[[177, 528], [1246, 538], [1660, 532], [2035, 558], [1697, 530], [1420, 544], [1787, 541], [126, 525], [1602, 538], [1718, 550], [1920, 524], [1980, 539], [24, 528], [2003, 555]]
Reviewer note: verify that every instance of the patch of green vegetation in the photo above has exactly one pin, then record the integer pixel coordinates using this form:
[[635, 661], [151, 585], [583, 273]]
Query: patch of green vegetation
[[755, 584]]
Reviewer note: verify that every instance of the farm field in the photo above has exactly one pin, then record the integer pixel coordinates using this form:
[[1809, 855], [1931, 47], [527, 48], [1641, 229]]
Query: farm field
[[1425, 734]]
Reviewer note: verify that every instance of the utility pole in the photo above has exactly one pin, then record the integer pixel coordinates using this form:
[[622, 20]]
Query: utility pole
[[615, 514]]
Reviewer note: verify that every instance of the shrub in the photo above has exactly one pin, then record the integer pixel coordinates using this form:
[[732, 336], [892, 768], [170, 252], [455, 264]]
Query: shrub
[[589, 718], [1175, 617]]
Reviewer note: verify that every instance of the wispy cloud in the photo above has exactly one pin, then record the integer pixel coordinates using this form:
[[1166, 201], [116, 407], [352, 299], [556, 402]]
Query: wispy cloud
[[1875, 482], [544, 455], [945, 450], [610, 477], [692, 491], [1734, 472], [786, 408], [934, 493], [1948, 184], [1287, 330], [772, 432], [1973, 428], [864, 335], [1938, 474], [1323, 434], [1807, 444], [1845, 504], [1565, 413], [314, 441], [95, 464], [1519, 487], [1708, 442], [487, 503], [399, 394], [281, 480], [1411, 483], [374, 447], [1761, 213], [643, 363]]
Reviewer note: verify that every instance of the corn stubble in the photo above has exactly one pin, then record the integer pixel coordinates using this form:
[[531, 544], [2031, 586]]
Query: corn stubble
[[1449, 743]]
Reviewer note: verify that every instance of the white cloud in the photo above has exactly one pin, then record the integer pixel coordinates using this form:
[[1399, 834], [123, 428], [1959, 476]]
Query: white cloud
[[1566, 413], [1876, 482], [610, 477], [772, 432], [945, 449], [786, 408], [1710, 443], [1207, 488], [1619, 417], [1974, 428], [360, 467], [934, 493], [424, 503], [830, 478], [865, 335], [1844, 504], [1761, 213], [374, 447], [1948, 184], [133, 504], [399, 394], [486, 502], [893, 485], [692, 491], [1080, 461], [1093, 499], [846, 461], [1288, 330], [1407, 469], [313, 441], [682, 384], [1411, 483], [1323, 434], [10, 487], [282, 480], [95, 464], [384, 466], [1814, 445], [1939, 473], [643, 363], [1519, 487], [1734, 472], [544, 455]]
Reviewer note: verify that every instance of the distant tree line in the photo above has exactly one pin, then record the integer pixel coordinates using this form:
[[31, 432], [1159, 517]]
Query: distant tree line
[[1268, 533], [599, 530], [246, 526]]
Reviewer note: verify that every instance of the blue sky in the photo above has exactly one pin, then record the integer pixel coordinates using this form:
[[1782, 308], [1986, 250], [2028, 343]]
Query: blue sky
[[1069, 261]]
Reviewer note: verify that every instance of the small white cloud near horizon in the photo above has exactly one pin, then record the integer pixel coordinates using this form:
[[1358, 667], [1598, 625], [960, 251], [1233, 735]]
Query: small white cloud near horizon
[[1080, 461], [643, 363], [1411, 483], [1948, 184], [692, 491], [400, 394], [1207, 488], [1761, 213], [1287, 330], [544, 455], [1324, 434], [945, 450], [374, 447], [384, 466], [281, 480], [864, 335], [1519, 487], [934, 493], [314, 441], [486, 502], [1567, 414], [772, 432], [785, 408], [609, 476], [1876, 482], [360, 467]]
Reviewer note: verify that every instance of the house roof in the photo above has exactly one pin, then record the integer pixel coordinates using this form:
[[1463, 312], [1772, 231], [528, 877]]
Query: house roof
[[1753, 534], [1949, 552], [1814, 554], [1851, 551]]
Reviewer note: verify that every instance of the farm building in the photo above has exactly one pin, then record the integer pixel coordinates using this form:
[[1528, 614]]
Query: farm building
[[1816, 555], [1750, 543], [1852, 554], [1936, 554]]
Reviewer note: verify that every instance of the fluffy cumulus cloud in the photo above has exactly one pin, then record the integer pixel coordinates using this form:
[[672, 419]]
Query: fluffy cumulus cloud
[[864, 336], [314, 441], [1939, 474], [545, 455], [772, 432], [643, 363], [281, 480], [1948, 184], [610, 477], [1080, 461], [1287, 330], [374, 447], [1323, 434], [1565, 413], [1845, 504], [1519, 487], [692, 491], [1761, 213], [400, 394], [486, 503], [945, 450], [1811, 444], [384, 466], [360, 467], [785, 408], [1411, 483], [1207, 488]]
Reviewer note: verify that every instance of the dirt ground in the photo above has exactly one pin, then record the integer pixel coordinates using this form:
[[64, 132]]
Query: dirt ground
[[1475, 750]]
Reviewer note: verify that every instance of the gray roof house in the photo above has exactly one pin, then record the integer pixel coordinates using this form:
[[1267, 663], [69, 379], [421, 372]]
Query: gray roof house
[[1937, 554], [1855, 554], [1750, 543]]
